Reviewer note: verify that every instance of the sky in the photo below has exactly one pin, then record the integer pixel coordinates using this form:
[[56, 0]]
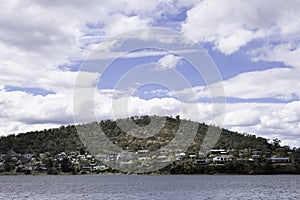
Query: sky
[[254, 45]]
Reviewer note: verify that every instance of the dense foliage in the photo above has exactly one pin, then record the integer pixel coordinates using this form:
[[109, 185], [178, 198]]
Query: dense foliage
[[52, 140], [66, 138]]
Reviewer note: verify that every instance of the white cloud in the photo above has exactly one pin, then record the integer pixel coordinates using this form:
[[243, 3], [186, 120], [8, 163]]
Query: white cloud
[[144, 53], [21, 110], [287, 53], [268, 120], [119, 23], [279, 83], [168, 62], [36, 37], [231, 24]]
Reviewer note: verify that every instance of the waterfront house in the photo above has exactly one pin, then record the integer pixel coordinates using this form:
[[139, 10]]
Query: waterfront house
[[278, 160], [87, 168], [30, 167], [179, 156], [28, 155], [221, 159], [112, 157], [162, 158], [201, 162], [218, 151], [144, 151]]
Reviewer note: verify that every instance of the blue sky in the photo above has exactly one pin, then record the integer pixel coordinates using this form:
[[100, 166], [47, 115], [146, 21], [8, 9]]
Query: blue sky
[[253, 44]]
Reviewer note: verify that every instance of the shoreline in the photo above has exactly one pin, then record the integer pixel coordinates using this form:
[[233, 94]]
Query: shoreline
[[124, 174]]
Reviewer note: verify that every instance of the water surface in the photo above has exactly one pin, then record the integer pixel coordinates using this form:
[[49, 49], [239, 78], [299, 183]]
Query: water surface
[[150, 187]]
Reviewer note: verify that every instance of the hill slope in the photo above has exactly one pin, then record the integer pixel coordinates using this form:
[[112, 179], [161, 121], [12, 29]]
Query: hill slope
[[66, 138]]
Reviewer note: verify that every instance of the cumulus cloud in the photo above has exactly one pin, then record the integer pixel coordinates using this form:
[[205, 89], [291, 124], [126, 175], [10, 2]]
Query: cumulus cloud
[[278, 83], [268, 120], [168, 62], [287, 53], [232, 24], [20, 109], [37, 38]]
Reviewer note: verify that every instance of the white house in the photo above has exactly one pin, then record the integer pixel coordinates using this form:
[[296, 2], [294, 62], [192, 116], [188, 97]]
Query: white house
[[179, 156], [222, 158]]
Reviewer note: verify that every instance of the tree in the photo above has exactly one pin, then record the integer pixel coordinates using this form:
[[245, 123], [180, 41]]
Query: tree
[[7, 167], [276, 143], [82, 151], [66, 165]]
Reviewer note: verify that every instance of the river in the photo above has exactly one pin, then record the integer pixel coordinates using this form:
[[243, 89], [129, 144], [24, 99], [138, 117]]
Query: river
[[150, 187]]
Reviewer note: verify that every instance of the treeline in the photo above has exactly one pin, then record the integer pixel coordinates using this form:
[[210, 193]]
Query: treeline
[[255, 168], [53, 141]]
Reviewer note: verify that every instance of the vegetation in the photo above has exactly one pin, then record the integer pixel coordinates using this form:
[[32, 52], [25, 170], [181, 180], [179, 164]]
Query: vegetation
[[66, 139], [52, 140]]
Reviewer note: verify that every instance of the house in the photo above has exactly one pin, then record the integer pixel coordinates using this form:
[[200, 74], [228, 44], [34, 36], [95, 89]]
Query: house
[[255, 156], [100, 167], [218, 151], [179, 156], [125, 156], [143, 158], [30, 167], [162, 158], [72, 155], [202, 162], [144, 151], [163, 152], [14, 159], [278, 160], [112, 157], [28, 155], [87, 168], [221, 159], [100, 157], [61, 156], [3, 156], [76, 165], [81, 158], [255, 152]]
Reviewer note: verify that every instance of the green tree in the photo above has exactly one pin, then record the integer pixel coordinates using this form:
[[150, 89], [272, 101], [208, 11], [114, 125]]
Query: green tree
[[66, 165], [276, 143]]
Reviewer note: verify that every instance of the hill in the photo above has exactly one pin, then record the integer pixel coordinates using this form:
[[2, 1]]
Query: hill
[[66, 138], [61, 149]]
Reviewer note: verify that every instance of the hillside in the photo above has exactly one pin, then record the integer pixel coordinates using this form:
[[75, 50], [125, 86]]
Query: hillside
[[60, 150], [65, 138]]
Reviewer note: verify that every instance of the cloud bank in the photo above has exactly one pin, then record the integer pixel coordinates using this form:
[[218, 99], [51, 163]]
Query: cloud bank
[[42, 44]]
